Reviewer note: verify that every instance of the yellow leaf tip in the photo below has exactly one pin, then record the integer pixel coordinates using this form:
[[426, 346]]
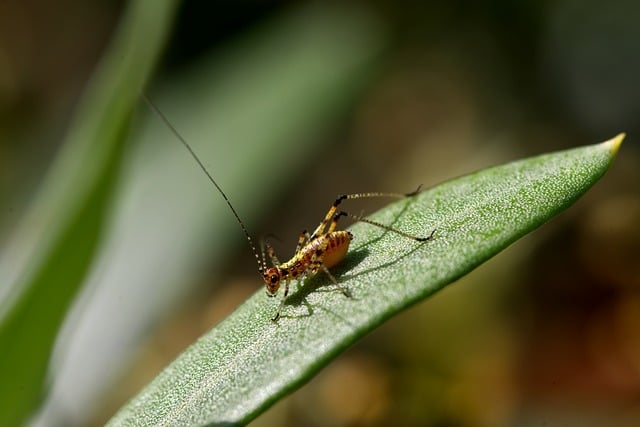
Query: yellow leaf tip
[[614, 143]]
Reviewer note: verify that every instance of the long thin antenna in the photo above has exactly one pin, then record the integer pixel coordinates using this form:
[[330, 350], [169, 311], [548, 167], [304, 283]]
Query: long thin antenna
[[261, 266]]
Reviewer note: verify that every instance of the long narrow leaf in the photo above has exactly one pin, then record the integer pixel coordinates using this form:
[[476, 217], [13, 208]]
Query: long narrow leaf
[[247, 362], [66, 222]]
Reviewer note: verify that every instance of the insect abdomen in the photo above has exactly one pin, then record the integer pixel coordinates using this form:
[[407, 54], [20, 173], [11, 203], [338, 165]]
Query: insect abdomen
[[333, 247]]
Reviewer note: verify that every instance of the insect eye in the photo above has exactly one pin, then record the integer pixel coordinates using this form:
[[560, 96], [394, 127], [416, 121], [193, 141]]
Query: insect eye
[[272, 281]]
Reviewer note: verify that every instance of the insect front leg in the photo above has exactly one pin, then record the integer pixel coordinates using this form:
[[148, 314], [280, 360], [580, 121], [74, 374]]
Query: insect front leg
[[284, 299], [272, 254], [304, 237]]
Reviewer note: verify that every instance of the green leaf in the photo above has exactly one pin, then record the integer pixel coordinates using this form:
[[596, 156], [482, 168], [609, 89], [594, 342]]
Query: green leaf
[[55, 245], [247, 362]]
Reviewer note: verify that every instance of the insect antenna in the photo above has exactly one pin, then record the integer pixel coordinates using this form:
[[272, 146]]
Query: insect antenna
[[261, 263]]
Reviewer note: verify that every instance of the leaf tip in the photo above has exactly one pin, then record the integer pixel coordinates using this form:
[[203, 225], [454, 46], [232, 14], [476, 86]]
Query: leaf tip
[[613, 145]]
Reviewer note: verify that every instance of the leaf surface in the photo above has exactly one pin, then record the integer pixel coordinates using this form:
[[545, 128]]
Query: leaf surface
[[247, 362]]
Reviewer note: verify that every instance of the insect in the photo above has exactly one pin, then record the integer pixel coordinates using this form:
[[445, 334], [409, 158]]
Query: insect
[[315, 252]]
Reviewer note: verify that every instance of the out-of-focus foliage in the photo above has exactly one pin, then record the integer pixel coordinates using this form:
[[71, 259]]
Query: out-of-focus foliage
[[554, 317], [60, 235]]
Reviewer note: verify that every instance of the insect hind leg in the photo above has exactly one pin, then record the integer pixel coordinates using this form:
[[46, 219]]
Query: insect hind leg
[[328, 217], [333, 214], [360, 218]]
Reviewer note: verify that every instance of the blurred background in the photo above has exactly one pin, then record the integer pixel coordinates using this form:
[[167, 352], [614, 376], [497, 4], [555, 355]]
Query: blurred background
[[292, 102]]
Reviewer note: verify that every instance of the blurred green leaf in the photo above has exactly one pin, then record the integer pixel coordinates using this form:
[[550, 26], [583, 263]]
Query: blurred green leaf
[[273, 90], [247, 362], [70, 211]]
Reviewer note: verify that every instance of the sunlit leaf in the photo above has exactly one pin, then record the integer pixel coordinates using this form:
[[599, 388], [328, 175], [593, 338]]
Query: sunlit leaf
[[247, 362]]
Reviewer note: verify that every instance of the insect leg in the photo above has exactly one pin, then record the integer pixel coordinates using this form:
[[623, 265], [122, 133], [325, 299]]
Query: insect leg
[[360, 218], [271, 253], [382, 194], [334, 221], [344, 290], [330, 214], [284, 299], [317, 264], [304, 237], [334, 207]]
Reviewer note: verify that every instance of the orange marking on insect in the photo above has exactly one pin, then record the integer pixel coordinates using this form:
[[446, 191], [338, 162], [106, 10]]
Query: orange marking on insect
[[337, 246]]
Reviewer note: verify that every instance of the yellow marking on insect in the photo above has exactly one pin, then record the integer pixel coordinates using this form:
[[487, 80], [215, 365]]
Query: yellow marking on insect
[[324, 248]]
